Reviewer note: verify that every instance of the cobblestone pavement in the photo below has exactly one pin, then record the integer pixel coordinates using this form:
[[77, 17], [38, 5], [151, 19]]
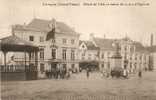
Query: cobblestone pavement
[[78, 87]]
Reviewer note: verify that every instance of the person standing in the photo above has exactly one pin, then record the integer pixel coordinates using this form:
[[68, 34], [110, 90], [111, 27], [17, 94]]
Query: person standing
[[140, 73], [125, 73], [87, 73], [108, 72]]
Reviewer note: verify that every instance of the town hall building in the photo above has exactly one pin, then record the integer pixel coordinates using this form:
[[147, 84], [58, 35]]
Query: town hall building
[[58, 44]]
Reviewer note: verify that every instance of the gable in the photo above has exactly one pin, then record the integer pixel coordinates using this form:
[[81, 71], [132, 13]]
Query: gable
[[83, 46]]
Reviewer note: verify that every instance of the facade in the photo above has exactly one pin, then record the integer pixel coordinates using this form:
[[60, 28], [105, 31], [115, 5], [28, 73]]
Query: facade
[[88, 55], [57, 50], [152, 50], [152, 39], [106, 50], [63, 49], [88, 51], [134, 54]]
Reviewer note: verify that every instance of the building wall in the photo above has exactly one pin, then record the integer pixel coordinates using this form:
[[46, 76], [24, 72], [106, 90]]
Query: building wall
[[153, 60], [136, 60], [48, 45], [104, 59], [88, 55]]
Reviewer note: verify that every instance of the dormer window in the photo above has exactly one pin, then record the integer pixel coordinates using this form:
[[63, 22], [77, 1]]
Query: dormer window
[[64, 41], [53, 53], [125, 48], [102, 56], [41, 39], [53, 40], [31, 38], [72, 41]]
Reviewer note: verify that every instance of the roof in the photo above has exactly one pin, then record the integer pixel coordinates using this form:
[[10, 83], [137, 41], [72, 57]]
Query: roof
[[139, 47], [14, 43], [104, 44], [45, 26], [107, 44], [151, 48], [89, 44]]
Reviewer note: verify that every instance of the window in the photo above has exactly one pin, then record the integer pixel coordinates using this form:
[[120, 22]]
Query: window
[[108, 54], [95, 56], [140, 57], [131, 49], [130, 57], [72, 41], [41, 39], [102, 65], [53, 53], [64, 66], [83, 54], [32, 55], [53, 41], [64, 54], [136, 57], [31, 38], [130, 65], [102, 56], [73, 66], [145, 58], [72, 55], [64, 41], [41, 53], [42, 68], [89, 56], [135, 65], [125, 48]]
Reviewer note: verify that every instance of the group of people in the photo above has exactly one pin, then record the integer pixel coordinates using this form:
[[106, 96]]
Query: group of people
[[124, 73], [106, 73], [62, 73], [56, 73]]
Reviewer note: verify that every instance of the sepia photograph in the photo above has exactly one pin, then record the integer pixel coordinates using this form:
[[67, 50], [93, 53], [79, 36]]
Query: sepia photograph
[[77, 50]]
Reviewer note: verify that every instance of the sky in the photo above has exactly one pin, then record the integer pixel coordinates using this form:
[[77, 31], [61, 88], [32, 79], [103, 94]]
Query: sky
[[137, 22]]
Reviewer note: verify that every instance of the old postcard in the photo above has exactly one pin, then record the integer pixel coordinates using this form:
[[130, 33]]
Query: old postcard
[[78, 50]]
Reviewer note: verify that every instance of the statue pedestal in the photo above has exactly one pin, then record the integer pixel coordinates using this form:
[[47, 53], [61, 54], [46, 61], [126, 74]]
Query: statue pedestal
[[116, 61]]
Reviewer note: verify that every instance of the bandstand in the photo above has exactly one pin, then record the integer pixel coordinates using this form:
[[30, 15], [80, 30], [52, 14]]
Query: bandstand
[[26, 71]]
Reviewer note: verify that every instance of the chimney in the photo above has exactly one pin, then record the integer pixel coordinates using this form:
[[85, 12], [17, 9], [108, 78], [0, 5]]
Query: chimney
[[151, 39], [53, 23], [24, 24], [104, 36], [12, 30], [91, 36]]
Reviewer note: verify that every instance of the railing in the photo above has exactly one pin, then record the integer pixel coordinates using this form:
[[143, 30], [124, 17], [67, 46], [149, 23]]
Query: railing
[[18, 68]]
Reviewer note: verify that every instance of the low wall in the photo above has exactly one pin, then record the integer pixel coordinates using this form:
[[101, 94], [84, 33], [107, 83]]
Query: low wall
[[18, 76], [18, 72], [11, 76]]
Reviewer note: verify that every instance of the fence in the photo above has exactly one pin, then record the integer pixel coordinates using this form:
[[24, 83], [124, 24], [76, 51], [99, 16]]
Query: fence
[[17, 68], [18, 72]]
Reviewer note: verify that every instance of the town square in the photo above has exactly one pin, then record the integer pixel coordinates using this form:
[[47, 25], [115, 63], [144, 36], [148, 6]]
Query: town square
[[78, 87], [69, 52]]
